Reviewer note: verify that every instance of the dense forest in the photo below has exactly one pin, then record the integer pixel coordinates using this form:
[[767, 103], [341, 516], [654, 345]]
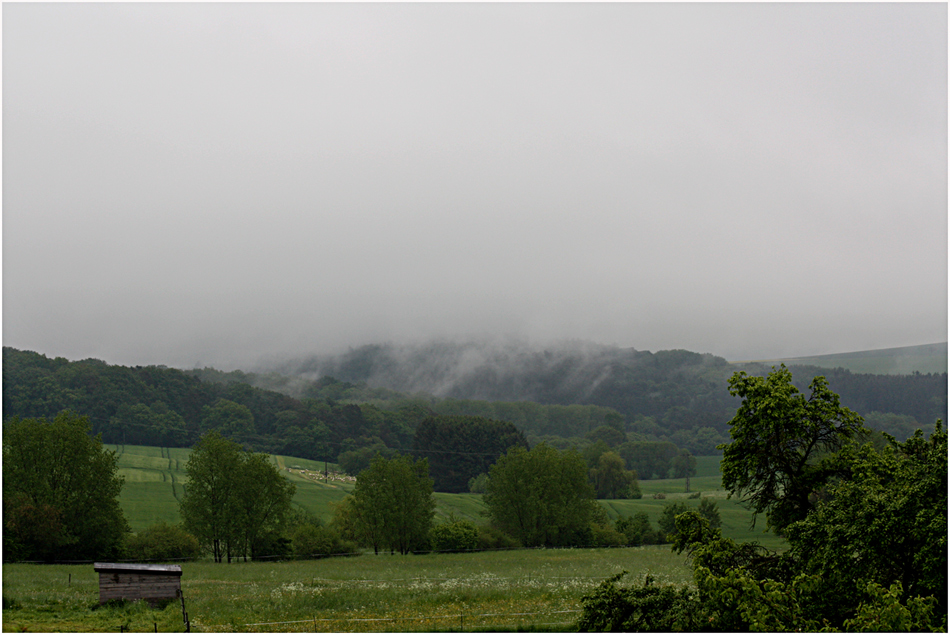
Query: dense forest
[[161, 406], [627, 400], [676, 392]]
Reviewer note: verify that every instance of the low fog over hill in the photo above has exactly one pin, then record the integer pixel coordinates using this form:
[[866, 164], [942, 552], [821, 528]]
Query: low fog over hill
[[492, 370], [678, 388]]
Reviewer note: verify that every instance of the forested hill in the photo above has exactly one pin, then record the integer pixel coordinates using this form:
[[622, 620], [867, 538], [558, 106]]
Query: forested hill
[[359, 401], [676, 389], [154, 405]]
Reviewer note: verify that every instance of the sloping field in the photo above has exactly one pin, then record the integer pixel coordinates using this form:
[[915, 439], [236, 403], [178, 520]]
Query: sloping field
[[905, 360], [155, 477], [154, 480]]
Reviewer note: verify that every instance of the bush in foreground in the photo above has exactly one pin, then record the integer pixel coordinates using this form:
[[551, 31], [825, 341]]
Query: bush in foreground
[[647, 607]]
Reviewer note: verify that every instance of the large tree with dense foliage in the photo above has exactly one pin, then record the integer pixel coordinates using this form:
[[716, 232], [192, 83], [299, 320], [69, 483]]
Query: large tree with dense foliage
[[232, 497], [886, 524], [541, 496], [60, 491], [783, 444], [460, 448], [611, 478], [867, 552], [391, 505]]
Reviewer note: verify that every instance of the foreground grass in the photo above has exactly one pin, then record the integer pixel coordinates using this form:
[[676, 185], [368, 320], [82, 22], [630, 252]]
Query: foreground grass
[[537, 589]]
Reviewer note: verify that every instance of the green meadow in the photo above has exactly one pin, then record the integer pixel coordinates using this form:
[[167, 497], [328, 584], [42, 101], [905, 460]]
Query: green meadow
[[154, 478], [529, 589]]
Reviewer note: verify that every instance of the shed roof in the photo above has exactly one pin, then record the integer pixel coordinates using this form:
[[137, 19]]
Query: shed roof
[[161, 569]]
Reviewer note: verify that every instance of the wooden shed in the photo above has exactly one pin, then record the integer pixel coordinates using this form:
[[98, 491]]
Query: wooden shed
[[153, 583]]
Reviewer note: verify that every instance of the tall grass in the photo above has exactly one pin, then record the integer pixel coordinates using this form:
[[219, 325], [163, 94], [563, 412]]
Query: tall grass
[[533, 589]]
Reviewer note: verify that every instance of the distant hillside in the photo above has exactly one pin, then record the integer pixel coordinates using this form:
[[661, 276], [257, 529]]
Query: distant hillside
[[905, 360], [678, 393]]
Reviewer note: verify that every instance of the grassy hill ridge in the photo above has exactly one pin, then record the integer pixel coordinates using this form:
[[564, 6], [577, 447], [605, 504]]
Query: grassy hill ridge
[[903, 360]]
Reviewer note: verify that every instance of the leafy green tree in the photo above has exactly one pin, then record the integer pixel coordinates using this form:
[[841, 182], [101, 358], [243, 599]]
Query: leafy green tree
[[541, 496], [638, 530], [262, 503], [649, 459], [230, 419], [886, 610], [355, 461], [684, 465], [783, 444], [460, 448], [208, 504], [592, 452], [478, 484], [611, 479], [667, 522], [60, 491], [608, 434], [392, 504], [870, 552], [887, 524], [709, 509], [232, 497]]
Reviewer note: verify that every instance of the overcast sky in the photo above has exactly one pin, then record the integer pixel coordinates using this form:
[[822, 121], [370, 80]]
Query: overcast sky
[[209, 184]]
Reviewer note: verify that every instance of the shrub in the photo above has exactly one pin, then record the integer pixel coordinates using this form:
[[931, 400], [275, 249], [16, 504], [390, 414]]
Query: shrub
[[310, 541], [650, 607], [667, 520], [457, 535], [271, 545], [637, 530], [162, 541], [709, 510], [492, 538], [606, 536], [478, 484]]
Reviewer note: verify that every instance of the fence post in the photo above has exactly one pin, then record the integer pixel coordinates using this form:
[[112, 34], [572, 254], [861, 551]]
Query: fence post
[[184, 614]]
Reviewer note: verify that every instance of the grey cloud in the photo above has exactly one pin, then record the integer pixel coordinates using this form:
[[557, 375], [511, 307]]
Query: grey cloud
[[222, 182]]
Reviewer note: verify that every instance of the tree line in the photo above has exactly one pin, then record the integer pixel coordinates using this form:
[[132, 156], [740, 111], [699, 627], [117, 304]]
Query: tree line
[[172, 408], [61, 488]]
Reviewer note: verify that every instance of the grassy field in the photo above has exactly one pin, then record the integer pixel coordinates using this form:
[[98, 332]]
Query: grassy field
[[531, 589], [535, 589], [154, 478]]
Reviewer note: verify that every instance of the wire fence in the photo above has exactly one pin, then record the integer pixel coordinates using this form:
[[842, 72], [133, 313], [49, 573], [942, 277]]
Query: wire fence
[[320, 556], [333, 624]]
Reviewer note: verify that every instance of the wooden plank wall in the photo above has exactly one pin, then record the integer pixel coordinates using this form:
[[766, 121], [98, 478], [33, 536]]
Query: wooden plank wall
[[137, 586]]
